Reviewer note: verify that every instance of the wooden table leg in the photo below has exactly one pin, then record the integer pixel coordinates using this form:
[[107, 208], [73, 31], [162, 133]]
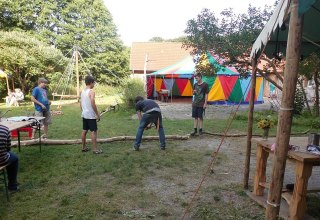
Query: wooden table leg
[[260, 175], [298, 201]]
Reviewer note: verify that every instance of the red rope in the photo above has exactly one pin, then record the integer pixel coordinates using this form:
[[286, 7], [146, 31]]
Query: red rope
[[214, 156]]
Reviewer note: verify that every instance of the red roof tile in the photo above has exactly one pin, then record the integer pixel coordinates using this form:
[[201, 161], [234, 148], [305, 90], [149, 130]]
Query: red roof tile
[[160, 55]]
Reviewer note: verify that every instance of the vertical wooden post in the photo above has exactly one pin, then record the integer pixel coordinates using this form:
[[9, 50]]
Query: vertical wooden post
[[250, 122], [145, 74], [77, 72], [286, 109], [7, 81]]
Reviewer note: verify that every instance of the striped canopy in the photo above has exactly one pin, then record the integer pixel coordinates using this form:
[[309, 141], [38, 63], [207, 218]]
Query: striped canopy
[[226, 86]]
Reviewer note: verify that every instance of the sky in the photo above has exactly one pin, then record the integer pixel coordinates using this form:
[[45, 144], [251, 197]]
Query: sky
[[140, 20]]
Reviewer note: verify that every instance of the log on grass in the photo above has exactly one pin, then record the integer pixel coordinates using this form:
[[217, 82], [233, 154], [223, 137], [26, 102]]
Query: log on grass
[[100, 140]]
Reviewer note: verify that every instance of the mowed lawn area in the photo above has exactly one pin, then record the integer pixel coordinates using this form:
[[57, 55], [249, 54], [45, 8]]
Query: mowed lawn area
[[64, 183]]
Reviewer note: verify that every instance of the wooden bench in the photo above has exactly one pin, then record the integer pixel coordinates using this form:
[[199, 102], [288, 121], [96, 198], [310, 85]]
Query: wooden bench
[[304, 162]]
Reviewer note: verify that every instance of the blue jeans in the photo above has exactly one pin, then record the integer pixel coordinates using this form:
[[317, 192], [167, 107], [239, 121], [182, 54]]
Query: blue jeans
[[146, 119], [12, 171]]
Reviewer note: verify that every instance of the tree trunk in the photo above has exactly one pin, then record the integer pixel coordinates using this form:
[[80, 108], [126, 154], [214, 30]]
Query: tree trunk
[[286, 111], [250, 122]]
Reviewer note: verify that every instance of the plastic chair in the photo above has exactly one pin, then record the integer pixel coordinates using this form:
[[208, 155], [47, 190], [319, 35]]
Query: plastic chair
[[3, 179]]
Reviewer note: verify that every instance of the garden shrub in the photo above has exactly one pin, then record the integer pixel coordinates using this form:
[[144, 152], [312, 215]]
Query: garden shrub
[[315, 123], [132, 88]]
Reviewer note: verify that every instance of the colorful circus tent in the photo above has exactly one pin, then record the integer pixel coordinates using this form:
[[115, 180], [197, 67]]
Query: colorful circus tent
[[225, 88]]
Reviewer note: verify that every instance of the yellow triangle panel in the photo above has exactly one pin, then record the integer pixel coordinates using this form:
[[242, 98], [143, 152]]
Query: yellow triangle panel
[[187, 90], [259, 80], [216, 92], [158, 83]]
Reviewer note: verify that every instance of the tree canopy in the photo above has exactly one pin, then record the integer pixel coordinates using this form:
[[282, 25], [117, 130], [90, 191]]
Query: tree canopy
[[65, 24], [26, 58], [230, 36]]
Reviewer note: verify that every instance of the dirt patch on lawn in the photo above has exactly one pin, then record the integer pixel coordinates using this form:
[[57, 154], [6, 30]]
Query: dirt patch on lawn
[[183, 110]]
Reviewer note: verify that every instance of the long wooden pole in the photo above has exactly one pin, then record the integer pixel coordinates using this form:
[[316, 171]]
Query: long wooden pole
[[7, 81], [250, 123], [77, 73], [286, 111]]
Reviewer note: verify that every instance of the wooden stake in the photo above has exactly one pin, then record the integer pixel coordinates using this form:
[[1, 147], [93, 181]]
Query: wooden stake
[[250, 122], [286, 111]]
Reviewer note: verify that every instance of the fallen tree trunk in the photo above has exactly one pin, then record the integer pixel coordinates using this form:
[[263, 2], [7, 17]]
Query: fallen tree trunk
[[101, 140]]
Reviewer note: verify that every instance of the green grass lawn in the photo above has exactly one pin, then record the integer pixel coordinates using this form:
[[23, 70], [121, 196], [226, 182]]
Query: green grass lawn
[[64, 183]]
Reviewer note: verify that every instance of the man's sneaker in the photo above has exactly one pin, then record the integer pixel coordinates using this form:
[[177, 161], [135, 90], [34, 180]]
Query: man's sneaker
[[194, 133], [162, 148], [200, 132], [136, 148], [13, 189]]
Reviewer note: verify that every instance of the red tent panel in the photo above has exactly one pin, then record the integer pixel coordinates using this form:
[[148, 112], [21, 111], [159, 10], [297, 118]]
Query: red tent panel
[[227, 84]]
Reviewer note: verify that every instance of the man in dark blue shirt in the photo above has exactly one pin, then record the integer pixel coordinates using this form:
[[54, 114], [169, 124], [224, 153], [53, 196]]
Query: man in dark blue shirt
[[152, 115]]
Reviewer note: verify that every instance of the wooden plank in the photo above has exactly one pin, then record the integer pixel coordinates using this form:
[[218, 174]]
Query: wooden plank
[[284, 207], [287, 196], [260, 175], [298, 202]]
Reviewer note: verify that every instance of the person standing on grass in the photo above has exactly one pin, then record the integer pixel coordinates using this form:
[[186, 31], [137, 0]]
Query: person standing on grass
[[8, 159], [90, 115], [152, 115], [42, 105], [199, 103]]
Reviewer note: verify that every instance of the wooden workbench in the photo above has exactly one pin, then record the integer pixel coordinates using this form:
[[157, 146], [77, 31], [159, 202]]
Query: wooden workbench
[[303, 168]]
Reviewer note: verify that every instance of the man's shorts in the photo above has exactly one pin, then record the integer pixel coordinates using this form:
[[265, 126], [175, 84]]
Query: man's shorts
[[45, 114], [89, 124], [197, 112]]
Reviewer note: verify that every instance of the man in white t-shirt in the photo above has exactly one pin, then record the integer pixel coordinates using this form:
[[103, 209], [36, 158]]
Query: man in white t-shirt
[[90, 115]]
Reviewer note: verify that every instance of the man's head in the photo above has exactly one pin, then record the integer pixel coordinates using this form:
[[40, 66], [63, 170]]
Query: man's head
[[138, 98], [198, 77], [42, 82], [89, 81]]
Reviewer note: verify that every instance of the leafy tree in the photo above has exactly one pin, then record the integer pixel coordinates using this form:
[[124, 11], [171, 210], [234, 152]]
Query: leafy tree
[[230, 37], [65, 24], [26, 58], [156, 39]]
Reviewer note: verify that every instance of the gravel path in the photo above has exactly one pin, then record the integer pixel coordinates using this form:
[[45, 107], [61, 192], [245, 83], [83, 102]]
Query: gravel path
[[183, 110]]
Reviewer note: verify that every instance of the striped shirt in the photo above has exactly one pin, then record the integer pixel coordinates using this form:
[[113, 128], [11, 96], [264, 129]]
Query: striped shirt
[[5, 144]]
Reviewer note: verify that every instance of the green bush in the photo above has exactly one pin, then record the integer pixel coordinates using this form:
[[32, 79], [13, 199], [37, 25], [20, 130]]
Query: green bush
[[315, 123], [106, 90], [132, 89]]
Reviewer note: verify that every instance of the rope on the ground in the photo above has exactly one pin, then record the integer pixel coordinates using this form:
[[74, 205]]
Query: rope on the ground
[[255, 135], [214, 154]]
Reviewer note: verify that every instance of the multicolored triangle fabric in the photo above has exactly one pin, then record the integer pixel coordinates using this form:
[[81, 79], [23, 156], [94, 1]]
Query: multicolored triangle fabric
[[168, 83], [236, 94], [227, 83], [216, 92], [259, 88], [209, 80], [181, 83], [149, 86], [175, 89], [188, 90]]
